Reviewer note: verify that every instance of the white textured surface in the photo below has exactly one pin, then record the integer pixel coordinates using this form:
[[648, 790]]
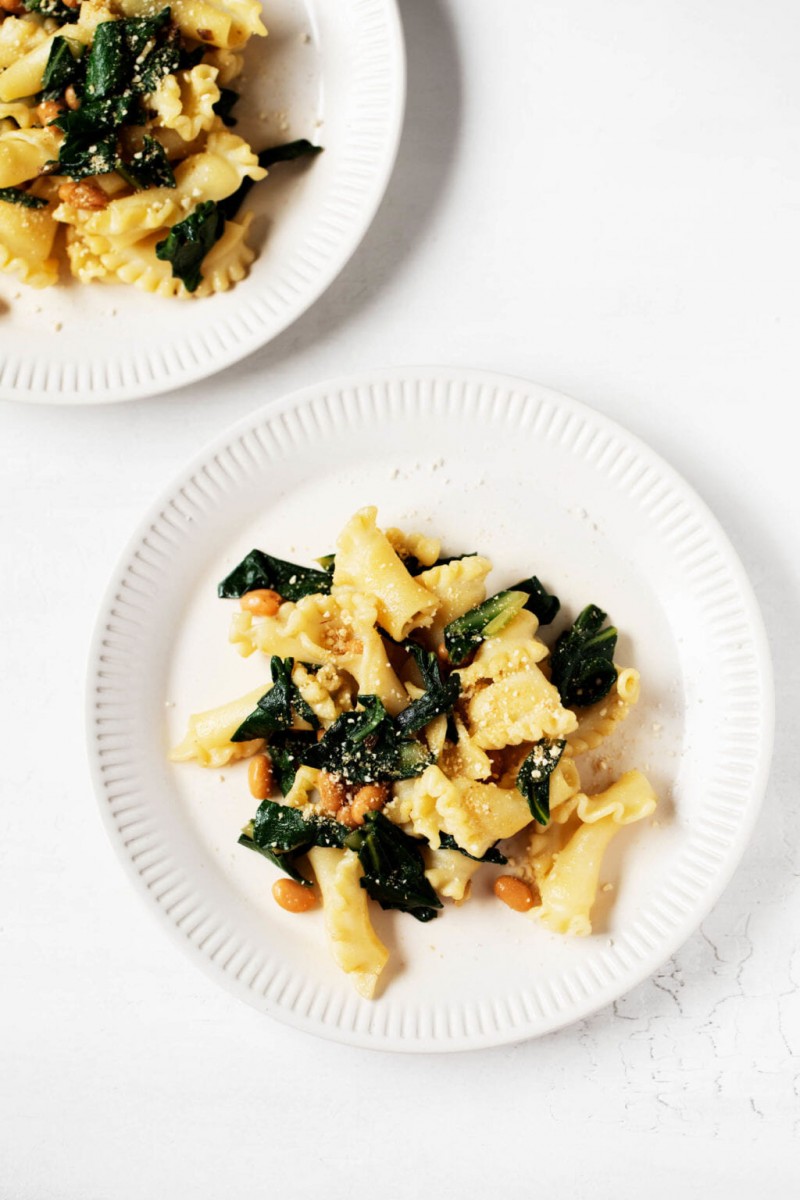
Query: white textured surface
[[645, 260]]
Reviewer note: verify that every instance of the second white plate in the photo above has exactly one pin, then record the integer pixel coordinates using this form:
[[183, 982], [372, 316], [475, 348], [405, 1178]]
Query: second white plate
[[332, 73], [540, 484]]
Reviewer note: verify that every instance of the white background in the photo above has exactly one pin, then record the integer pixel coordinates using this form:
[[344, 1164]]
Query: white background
[[604, 198]]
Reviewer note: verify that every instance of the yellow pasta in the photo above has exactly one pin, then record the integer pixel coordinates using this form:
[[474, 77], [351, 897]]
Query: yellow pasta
[[410, 775]]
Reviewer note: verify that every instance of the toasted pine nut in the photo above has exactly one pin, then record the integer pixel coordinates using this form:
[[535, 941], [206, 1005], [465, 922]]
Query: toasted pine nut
[[259, 776], [332, 793], [292, 896], [262, 602], [513, 892], [369, 798], [48, 110], [70, 95], [83, 195]]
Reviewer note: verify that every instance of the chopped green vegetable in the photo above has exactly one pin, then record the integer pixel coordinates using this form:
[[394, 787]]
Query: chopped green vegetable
[[492, 855], [14, 195], [223, 107], [276, 708], [78, 161], [533, 780], [583, 659], [107, 69], [267, 158], [90, 144], [260, 570], [288, 750], [440, 694], [189, 242], [128, 55], [282, 834], [367, 746], [148, 167], [65, 66], [540, 602], [394, 869], [53, 8], [465, 633]]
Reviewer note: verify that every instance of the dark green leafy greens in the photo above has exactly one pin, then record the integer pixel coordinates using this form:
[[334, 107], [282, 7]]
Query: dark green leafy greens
[[394, 869], [65, 67], [368, 746], [492, 855], [583, 659], [53, 8], [14, 195], [260, 570], [465, 633], [148, 167], [540, 602], [189, 241], [277, 707], [440, 694], [288, 750], [533, 780], [282, 834], [90, 144]]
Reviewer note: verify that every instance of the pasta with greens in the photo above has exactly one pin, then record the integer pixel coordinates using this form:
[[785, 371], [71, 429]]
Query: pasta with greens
[[414, 732], [117, 150]]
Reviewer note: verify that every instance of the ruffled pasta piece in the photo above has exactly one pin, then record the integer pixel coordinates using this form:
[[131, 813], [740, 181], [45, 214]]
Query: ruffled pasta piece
[[522, 706], [598, 721], [22, 114], [185, 101], [337, 629], [305, 782], [228, 63], [435, 733], [417, 545], [84, 263], [365, 560], [475, 814], [450, 873], [514, 649], [355, 946], [225, 264], [227, 23], [26, 243], [465, 757], [458, 586], [567, 868], [319, 693], [23, 153], [19, 35], [208, 735]]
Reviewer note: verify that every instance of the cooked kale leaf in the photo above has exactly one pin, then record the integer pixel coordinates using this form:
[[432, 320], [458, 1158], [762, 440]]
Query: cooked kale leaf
[[78, 161], [288, 750], [189, 242], [367, 746], [118, 62], [583, 659], [492, 855], [440, 694], [14, 195], [53, 8], [90, 144], [540, 602], [148, 167], [283, 834], [394, 869], [65, 67], [465, 633], [533, 780], [276, 707], [260, 570]]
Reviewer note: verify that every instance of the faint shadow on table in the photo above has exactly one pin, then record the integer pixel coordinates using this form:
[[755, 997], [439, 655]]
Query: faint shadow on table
[[425, 156]]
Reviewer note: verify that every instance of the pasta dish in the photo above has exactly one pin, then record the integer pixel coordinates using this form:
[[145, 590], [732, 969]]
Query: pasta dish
[[414, 732], [117, 130]]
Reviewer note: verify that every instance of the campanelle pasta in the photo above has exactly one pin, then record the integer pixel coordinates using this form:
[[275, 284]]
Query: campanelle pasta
[[412, 735], [115, 150]]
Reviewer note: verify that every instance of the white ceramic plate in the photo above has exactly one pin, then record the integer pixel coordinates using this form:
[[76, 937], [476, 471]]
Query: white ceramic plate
[[331, 72], [541, 484]]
